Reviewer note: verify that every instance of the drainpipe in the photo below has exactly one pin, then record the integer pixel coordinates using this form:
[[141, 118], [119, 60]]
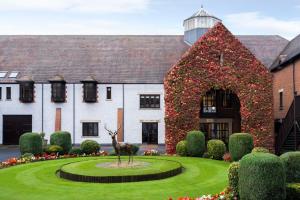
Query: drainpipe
[[294, 95], [74, 114], [42, 107], [123, 104]]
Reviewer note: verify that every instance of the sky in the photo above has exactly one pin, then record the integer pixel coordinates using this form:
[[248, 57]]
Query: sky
[[145, 17]]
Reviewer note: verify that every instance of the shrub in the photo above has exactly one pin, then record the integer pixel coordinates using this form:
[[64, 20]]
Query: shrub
[[181, 149], [135, 149], [293, 191], [31, 143], [75, 151], [54, 149], [206, 155], [195, 143], [216, 149], [227, 157], [260, 149], [90, 146], [233, 177], [261, 176], [240, 144], [291, 161], [62, 139]]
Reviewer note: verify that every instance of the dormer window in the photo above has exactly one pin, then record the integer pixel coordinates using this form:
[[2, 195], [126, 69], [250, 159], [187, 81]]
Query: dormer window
[[13, 75], [58, 89], [26, 90], [3, 74], [89, 90]]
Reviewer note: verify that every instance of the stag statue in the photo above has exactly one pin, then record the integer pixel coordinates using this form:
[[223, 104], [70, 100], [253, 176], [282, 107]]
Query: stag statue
[[128, 148]]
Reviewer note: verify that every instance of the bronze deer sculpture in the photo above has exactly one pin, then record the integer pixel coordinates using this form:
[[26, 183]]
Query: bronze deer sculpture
[[118, 147]]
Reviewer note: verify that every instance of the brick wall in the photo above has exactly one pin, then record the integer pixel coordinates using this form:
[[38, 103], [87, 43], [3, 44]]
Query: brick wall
[[283, 81]]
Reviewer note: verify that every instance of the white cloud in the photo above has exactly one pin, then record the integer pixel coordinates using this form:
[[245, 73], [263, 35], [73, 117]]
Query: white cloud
[[255, 23], [102, 6], [80, 27]]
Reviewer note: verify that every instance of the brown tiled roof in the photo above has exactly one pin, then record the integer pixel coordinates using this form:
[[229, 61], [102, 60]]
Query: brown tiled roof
[[109, 59], [290, 52]]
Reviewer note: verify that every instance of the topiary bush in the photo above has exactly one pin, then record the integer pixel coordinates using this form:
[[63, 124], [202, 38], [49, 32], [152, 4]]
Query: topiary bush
[[260, 149], [195, 143], [75, 151], [293, 191], [233, 177], [291, 161], [62, 139], [181, 148], [261, 176], [216, 149], [54, 149], [90, 146], [240, 144], [31, 143]]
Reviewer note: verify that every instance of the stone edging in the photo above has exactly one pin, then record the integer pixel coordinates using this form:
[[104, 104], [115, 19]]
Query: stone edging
[[119, 179]]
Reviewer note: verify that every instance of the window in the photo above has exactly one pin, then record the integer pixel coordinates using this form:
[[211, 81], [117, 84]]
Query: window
[[221, 59], [26, 92], [281, 100], [90, 129], [58, 90], [215, 131], [3, 74], [90, 92], [0, 93], [209, 103], [13, 75], [8, 93], [108, 93], [226, 99], [149, 101], [150, 132]]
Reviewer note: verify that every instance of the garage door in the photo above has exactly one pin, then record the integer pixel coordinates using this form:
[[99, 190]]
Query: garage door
[[14, 126]]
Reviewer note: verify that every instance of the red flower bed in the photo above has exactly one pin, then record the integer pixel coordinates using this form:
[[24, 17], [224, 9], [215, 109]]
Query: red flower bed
[[22, 160], [200, 69]]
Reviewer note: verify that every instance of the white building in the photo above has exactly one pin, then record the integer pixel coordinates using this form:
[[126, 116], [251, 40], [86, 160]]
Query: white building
[[80, 84]]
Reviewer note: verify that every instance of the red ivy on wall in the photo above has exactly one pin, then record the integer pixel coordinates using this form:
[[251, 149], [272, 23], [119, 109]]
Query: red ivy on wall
[[200, 69]]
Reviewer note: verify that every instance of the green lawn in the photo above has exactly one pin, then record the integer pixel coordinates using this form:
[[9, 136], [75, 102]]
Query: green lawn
[[37, 181], [90, 168]]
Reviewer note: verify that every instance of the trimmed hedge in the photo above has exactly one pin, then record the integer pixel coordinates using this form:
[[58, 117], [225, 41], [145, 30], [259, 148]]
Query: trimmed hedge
[[63, 139], [195, 143], [260, 150], [261, 176], [291, 161], [181, 148], [90, 146], [75, 151], [233, 177], [216, 149], [54, 149], [293, 191], [240, 144], [31, 143]]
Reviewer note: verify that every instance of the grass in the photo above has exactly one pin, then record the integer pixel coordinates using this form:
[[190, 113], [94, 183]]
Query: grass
[[90, 168], [36, 181]]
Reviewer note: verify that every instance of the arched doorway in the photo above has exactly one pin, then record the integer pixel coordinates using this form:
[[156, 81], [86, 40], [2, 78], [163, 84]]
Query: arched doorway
[[220, 114]]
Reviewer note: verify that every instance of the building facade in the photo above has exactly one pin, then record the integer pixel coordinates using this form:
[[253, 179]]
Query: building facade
[[286, 87], [81, 84]]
